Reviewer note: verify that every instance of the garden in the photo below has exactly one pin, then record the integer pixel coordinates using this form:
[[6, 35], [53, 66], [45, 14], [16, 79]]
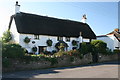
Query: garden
[[14, 55]]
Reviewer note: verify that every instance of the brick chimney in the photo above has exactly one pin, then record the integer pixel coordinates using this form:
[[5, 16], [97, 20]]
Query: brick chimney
[[84, 19], [17, 8]]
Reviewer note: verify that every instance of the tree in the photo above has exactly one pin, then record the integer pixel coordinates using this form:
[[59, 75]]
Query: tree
[[85, 48], [7, 36], [99, 46]]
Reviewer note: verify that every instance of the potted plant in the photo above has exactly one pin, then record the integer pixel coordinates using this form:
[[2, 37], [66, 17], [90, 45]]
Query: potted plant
[[27, 40], [74, 43], [34, 49], [49, 42]]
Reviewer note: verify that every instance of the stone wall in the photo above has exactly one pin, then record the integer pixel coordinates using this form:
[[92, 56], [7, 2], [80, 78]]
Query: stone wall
[[62, 61], [103, 58]]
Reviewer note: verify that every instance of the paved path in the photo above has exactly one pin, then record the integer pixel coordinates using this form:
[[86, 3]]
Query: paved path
[[106, 70]]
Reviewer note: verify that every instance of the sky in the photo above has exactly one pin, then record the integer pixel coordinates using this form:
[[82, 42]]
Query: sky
[[101, 16]]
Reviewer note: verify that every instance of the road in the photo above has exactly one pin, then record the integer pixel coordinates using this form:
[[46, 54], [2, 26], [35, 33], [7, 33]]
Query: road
[[104, 70]]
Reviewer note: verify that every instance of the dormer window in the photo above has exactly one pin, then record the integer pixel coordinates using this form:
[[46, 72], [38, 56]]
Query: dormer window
[[36, 36]]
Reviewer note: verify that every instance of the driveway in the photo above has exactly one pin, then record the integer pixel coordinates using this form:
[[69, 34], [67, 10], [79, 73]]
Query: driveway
[[101, 70]]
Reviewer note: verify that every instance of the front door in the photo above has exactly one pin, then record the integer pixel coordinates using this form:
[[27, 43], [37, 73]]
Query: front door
[[41, 49]]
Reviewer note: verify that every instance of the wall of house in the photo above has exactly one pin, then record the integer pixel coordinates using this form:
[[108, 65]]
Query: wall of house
[[116, 43], [109, 40], [15, 34], [42, 42]]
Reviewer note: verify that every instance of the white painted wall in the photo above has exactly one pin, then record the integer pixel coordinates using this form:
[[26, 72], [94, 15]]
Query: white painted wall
[[19, 38], [42, 42], [111, 41], [15, 34]]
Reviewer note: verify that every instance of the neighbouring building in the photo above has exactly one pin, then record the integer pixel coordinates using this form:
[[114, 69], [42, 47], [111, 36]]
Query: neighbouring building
[[38, 29], [112, 39]]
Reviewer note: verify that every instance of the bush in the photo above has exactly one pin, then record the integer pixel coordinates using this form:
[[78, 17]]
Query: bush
[[98, 46], [74, 43], [61, 45], [27, 40], [85, 48], [116, 51], [6, 62], [34, 49], [7, 36], [49, 42], [10, 50]]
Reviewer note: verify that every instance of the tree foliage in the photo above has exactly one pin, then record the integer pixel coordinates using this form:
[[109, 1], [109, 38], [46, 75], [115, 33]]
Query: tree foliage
[[7, 36], [11, 50], [99, 46]]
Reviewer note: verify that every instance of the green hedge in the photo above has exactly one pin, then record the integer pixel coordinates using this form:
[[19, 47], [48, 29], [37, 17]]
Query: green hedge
[[98, 46], [116, 51], [11, 50]]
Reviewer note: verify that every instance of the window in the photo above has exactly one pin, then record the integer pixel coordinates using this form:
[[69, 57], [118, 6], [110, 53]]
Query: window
[[36, 36], [60, 38], [67, 39]]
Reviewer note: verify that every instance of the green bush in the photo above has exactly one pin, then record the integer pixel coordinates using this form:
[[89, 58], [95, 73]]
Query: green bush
[[85, 48], [7, 36], [49, 42], [74, 43], [116, 51], [34, 49], [98, 46], [27, 40], [11, 50], [61, 45], [6, 62]]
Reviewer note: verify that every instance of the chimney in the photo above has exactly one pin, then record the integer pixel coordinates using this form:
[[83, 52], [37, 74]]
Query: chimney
[[84, 18], [17, 8]]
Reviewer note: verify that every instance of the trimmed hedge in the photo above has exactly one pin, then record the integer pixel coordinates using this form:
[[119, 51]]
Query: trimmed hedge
[[11, 50]]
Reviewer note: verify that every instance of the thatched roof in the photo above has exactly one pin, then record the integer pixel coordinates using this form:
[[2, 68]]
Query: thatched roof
[[42, 25]]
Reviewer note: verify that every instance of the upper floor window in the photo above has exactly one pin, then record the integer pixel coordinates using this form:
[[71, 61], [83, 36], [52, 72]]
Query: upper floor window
[[67, 39], [36, 36], [60, 38]]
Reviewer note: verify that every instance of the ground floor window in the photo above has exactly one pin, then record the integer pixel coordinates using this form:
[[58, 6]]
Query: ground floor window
[[36, 36], [67, 39]]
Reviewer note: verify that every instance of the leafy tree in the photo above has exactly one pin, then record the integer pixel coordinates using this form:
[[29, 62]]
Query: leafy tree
[[7, 36], [98, 46]]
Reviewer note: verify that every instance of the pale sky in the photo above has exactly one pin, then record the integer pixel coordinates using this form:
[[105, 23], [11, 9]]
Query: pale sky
[[102, 16]]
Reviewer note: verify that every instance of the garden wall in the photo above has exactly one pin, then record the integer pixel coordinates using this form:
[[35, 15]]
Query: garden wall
[[61, 62]]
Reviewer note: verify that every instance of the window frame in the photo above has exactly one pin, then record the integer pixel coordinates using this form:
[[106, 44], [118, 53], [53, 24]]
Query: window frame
[[67, 39], [59, 38], [36, 37]]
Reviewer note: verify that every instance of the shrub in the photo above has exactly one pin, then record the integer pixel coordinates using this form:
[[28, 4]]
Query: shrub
[[7, 36], [27, 40], [74, 43], [98, 46], [34, 49], [61, 47], [10, 50], [116, 51], [61, 44], [108, 52], [49, 42], [6, 62]]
